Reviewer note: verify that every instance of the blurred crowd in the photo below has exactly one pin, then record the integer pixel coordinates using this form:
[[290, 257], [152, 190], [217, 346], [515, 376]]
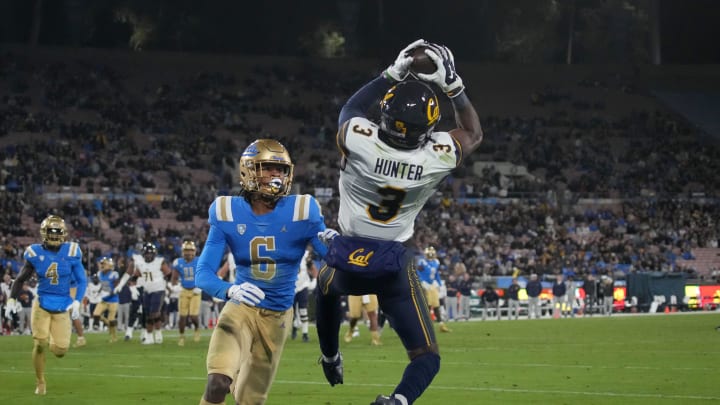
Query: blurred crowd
[[126, 158]]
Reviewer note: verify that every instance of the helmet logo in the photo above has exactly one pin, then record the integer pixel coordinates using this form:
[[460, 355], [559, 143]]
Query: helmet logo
[[400, 127], [433, 110]]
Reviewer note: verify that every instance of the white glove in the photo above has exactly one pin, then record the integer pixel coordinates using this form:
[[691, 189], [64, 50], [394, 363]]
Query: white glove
[[11, 307], [445, 76], [399, 70], [117, 290], [425, 285], [197, 291], [74, 309], [327, 235], [435, 284], [247, 293]]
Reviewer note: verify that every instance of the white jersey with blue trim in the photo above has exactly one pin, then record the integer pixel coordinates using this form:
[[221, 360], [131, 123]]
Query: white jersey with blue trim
[[382, 189], [267, 249], [152, 279]]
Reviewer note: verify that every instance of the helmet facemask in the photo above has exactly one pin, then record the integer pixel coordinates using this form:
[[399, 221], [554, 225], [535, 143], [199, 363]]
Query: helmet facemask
[[106, 263], [188, 250], [259, 174], [53, 231]]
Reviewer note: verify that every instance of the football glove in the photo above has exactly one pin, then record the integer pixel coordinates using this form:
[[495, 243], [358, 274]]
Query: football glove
[[247, 293], [425, 285], [197, 291], [445, 76], [74, 309], [12, 306], [399, 70], [327, 235]]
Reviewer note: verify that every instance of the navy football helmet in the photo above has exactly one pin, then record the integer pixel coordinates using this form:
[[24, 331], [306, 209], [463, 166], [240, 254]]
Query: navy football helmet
[[149, 251], [409, 112]]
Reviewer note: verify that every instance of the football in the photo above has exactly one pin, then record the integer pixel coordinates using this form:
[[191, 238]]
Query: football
[[421, 62]]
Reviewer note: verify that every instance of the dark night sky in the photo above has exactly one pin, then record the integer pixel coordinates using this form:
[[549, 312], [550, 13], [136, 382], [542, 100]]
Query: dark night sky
[[690, 31], [689, 28]]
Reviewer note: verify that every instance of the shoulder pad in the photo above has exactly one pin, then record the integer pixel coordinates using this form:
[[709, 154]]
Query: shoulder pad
[[221, 209], [29, 252], [306, 207], [74, 249]]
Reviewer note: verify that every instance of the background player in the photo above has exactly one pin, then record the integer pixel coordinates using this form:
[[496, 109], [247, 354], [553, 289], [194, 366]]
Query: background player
[[108, 278], [55, 262], [305, 283], [150, 271], [185, 268], [428, 270]]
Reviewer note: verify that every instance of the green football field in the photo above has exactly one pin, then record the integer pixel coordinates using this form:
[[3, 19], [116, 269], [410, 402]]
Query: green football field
[[660, 359]]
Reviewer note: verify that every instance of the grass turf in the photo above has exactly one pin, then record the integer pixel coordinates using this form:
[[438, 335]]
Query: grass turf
[[661, 359]]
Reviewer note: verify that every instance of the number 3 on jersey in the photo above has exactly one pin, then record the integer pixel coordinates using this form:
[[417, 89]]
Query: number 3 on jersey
[[389, 206]]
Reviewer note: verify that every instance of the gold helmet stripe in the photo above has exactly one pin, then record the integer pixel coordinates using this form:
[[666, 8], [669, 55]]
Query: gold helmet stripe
[[302, 208], [433, 110], [223, 211]]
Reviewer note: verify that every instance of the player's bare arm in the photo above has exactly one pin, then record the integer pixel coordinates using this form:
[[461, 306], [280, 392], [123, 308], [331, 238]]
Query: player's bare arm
[[25, 274]]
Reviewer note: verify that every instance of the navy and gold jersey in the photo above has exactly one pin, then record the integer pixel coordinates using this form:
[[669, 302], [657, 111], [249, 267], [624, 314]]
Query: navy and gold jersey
[[55, 269], [186, 270], [267, 248], [382, 189]]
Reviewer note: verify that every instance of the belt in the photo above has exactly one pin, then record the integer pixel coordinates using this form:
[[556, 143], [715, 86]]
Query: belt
[[261, 311]]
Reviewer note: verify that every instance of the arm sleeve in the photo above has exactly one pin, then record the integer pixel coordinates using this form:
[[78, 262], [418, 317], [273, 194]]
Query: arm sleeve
[[359, 102], [208, 263], [317, 224], [78, 271]]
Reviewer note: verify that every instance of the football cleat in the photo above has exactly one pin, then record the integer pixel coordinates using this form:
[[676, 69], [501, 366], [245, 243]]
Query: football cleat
[[181, 341], [158, 337], [375, 339], [444, 328], [305, 338], [348, 336], [80, 342], [333, 371], [293, 335], [40, 389], [383, 400], [196, 335]]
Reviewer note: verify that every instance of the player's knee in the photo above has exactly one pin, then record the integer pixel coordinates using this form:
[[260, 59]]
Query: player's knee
[[39, 345], [430, 362], [57, 350], [218, 386]]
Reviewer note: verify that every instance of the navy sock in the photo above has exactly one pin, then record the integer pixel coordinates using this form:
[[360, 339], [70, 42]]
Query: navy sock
[[328, 319], [418, 376]]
